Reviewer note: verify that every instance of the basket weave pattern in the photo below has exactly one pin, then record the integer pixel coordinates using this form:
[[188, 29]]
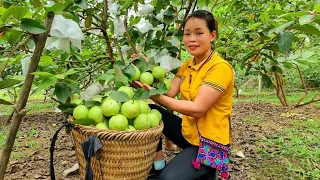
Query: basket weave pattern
[[125, 155]]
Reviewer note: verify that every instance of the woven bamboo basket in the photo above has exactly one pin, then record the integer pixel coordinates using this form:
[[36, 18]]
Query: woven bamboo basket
[[125, 155]]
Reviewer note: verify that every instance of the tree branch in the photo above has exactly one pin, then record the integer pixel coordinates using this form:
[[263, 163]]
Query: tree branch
[[128, 35], [104, 27], [119, 49], [312, 101], [90, 28], [40, 41], [186, 15]]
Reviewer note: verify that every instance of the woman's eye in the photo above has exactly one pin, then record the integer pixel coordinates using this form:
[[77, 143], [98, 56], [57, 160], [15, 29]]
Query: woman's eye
[[186, 34], [199, 33]]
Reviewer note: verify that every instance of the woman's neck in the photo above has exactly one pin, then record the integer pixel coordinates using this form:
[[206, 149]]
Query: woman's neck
[[203, 57]]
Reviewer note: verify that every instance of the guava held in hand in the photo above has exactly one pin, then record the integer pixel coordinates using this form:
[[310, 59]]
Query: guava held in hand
[[136, 76], [146, 78], [110, 107], [130, 109], [118, 122], [80, 112], [159, 73], [127, 90]]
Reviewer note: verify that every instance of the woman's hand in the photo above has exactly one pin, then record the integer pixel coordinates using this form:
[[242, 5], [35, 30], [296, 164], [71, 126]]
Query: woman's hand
[[135, 55], [144, 85]]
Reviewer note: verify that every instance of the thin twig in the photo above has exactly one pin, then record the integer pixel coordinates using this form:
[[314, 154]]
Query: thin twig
[[21, 43], [194, 6], [216, 4], [90, 28], [128, 35], [119, 49], [104, 27], [85, 18], [312, 101], [186, 15]]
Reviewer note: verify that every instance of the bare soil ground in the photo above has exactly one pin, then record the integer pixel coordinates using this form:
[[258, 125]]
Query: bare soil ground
[[251, 121]]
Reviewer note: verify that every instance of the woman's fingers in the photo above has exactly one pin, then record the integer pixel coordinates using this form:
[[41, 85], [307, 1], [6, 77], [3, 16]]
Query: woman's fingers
[[135, 55], [139, 84], [147, 87], [133, 84]]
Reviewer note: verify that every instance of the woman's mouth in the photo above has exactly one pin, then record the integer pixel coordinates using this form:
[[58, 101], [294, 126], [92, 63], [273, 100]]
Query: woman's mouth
[[193, 47]]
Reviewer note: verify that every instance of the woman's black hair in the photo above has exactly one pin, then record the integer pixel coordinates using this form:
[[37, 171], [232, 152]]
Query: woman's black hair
[[207, 16]]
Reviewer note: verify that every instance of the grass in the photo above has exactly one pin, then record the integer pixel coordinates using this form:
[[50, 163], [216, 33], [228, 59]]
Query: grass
[[270, 96], [36, 96], [254, 119], [23, 140], [293, 153], [33, 108]]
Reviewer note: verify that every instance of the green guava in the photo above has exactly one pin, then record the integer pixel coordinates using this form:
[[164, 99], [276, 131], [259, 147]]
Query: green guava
[[110, 107], [142, 121], [130, 109], [118, 122], [136, 76], [159, 73], [145, 109], [147, 78], [154, 119], [95, 113], [80, 112], [157, 113], [127, 90]]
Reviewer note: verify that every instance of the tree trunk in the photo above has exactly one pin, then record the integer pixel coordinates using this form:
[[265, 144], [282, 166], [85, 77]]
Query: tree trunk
[[40, 41]]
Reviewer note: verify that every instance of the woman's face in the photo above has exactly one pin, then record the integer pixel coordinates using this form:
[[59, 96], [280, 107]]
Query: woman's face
[[197, 37]]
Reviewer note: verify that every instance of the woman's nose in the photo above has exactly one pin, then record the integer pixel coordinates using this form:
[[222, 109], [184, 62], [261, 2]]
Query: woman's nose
[[192, 38]]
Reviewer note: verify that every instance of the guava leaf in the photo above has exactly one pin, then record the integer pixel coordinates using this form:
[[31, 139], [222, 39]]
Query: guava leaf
[[284, 41], [8, 83], [141, 93], [84, 121], [141, 64], [119, 75], [120, 96], [92, 103], [44, 74], [62, 92], [161, 90], [32, 26], [2, 101], [130, 70], [46, 83], [65, 106], [73, 86]]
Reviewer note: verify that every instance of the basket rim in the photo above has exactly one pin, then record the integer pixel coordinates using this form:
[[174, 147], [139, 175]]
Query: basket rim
[[109, 134]]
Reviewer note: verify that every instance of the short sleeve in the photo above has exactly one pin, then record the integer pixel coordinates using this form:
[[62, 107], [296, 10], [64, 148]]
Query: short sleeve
[[219, 77], [182, 68]]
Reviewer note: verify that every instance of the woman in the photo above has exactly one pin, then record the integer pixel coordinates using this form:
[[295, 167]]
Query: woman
[[205, 83]]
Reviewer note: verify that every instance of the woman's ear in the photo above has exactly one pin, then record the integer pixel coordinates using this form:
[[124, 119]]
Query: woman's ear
[[213, 35]]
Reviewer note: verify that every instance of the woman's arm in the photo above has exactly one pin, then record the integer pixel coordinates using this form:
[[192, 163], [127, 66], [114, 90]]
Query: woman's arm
[[206, 97]]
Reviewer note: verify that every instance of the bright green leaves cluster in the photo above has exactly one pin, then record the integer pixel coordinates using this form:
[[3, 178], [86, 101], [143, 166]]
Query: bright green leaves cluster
[[263, 35]]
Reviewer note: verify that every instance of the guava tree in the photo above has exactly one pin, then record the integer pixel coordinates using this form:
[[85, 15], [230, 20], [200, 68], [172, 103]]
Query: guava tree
[[268, 37], [71, 62]]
